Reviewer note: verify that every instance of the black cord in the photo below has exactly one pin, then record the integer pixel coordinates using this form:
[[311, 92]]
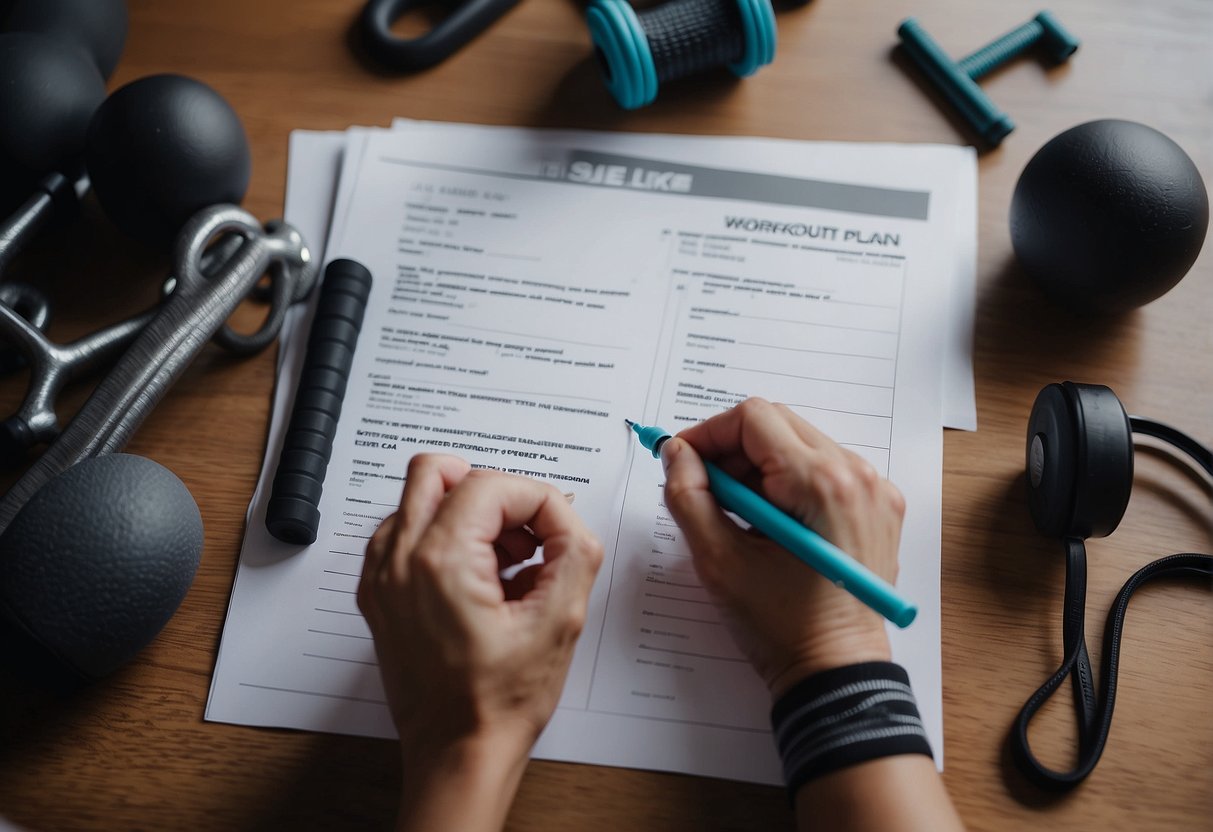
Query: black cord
[[1174, 436], [1094, 713]]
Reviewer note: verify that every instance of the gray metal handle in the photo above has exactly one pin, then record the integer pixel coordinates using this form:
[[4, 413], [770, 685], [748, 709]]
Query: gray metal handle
[[198, 308]]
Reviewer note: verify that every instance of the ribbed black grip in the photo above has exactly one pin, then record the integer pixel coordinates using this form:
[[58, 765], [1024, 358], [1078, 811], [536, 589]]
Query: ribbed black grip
[[293, 514], [688, 36]]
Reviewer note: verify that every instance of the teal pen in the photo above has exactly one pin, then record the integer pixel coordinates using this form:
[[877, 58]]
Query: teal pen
[[836, 565]]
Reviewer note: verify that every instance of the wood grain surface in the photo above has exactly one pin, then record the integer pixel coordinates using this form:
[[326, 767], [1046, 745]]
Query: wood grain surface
[[132, 751]]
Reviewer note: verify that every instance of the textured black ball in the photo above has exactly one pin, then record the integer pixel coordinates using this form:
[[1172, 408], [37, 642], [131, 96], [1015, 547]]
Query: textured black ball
[[98, 26], [99, 559], [49, 90], [1108, 215], [160, 149]]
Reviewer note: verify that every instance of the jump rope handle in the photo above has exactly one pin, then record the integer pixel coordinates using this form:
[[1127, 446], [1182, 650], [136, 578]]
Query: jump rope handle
[[293, 513]]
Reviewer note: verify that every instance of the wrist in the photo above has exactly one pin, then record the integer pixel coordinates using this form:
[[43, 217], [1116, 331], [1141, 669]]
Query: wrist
[[832, 650], [465, 784]]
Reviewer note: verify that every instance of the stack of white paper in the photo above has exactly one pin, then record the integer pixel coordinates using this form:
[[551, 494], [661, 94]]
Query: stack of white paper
[[532, 289]]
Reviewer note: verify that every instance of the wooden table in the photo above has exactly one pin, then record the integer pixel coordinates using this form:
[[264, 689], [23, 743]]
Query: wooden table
[[132, 751]]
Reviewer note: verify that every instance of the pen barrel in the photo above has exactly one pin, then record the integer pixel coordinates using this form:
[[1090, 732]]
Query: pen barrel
[[824, 557]]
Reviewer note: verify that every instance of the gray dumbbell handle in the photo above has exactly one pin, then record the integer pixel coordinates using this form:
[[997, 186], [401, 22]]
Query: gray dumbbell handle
[[198, 308]]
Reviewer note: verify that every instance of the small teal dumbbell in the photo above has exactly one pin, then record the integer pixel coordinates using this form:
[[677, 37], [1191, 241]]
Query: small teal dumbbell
[[957, 80]]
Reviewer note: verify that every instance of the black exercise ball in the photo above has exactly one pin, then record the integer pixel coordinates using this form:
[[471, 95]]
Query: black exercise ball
[[99, 559], [99, 26], [1108, 216], [49, 90], [160, 149]]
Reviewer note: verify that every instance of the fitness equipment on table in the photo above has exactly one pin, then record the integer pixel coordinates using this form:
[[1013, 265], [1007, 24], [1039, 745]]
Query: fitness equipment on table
[[636, 50], [97, 549], [957, 80], [1080, 474], [1108, 216]]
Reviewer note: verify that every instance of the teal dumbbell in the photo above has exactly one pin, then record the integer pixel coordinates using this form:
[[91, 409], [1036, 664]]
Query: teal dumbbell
[[957, 80]]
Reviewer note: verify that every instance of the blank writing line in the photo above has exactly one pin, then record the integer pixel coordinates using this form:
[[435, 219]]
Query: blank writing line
[[343, 635], [682, 618], [339, 659], [314, 693], [351, 554], [861, 445], [810, 378], [347, 574], [836, 410], [336, 612], [813, 323], [342, 591], [817, 352], [694, 655], [672, 598], [653, 580]]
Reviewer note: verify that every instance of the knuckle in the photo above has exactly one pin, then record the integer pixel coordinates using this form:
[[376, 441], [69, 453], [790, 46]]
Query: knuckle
[[895, 498], [593, 548], [867, 475], [427, 559], [709, 566], [835, 481], [575, 619], [753, 405]]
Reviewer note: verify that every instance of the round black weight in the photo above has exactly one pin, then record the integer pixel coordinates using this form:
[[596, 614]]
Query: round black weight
[[160, 149], [1108, 215], [49, 90], [99, 559], [98, 26]]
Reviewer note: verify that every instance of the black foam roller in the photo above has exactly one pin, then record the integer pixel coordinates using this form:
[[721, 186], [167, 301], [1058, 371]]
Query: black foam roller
[[293, 513]]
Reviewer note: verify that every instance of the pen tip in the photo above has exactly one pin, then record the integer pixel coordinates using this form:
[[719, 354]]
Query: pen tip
[[630, 422]]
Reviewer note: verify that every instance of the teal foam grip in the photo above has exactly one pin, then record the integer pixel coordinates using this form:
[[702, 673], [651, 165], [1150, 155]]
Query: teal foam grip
[[962, 91], [758, 24], [627, 59]]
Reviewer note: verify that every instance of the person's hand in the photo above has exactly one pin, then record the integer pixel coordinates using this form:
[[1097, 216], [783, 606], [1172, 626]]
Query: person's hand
[[473, 666], [788, 619]]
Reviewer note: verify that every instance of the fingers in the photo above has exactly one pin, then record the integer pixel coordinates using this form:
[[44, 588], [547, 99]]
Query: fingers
[[710, 534], [514, 515], [429, 477]]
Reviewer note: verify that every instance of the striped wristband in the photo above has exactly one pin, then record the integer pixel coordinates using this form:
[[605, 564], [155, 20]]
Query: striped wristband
[[843, 717]]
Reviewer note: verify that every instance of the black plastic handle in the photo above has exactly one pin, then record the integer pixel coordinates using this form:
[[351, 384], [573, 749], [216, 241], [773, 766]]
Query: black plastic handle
[[293, 513], [463, 23]]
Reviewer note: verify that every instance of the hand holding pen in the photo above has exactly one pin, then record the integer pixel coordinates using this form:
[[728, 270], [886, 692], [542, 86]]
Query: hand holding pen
[[789, 620]]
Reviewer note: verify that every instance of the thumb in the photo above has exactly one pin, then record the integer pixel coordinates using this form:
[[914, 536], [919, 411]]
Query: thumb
[[707, 529]]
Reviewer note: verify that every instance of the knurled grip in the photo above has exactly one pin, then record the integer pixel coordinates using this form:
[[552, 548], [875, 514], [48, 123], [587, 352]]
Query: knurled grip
[[293, 513]]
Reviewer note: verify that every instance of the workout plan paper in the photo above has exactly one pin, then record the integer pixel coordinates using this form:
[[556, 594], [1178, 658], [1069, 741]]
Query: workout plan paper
[[533, 289]]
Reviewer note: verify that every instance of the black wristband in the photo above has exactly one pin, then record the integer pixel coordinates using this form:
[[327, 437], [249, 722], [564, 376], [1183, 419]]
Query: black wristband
[[843, 717]]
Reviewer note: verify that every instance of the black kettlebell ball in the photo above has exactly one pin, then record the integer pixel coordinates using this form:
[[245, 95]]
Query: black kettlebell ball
[[99, 559], [49, 90], [97, 26], [160, 149], [1108, 216]]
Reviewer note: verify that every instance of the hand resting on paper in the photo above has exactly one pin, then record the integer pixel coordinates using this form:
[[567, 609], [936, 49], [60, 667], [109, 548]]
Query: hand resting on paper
[[473, 666]]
